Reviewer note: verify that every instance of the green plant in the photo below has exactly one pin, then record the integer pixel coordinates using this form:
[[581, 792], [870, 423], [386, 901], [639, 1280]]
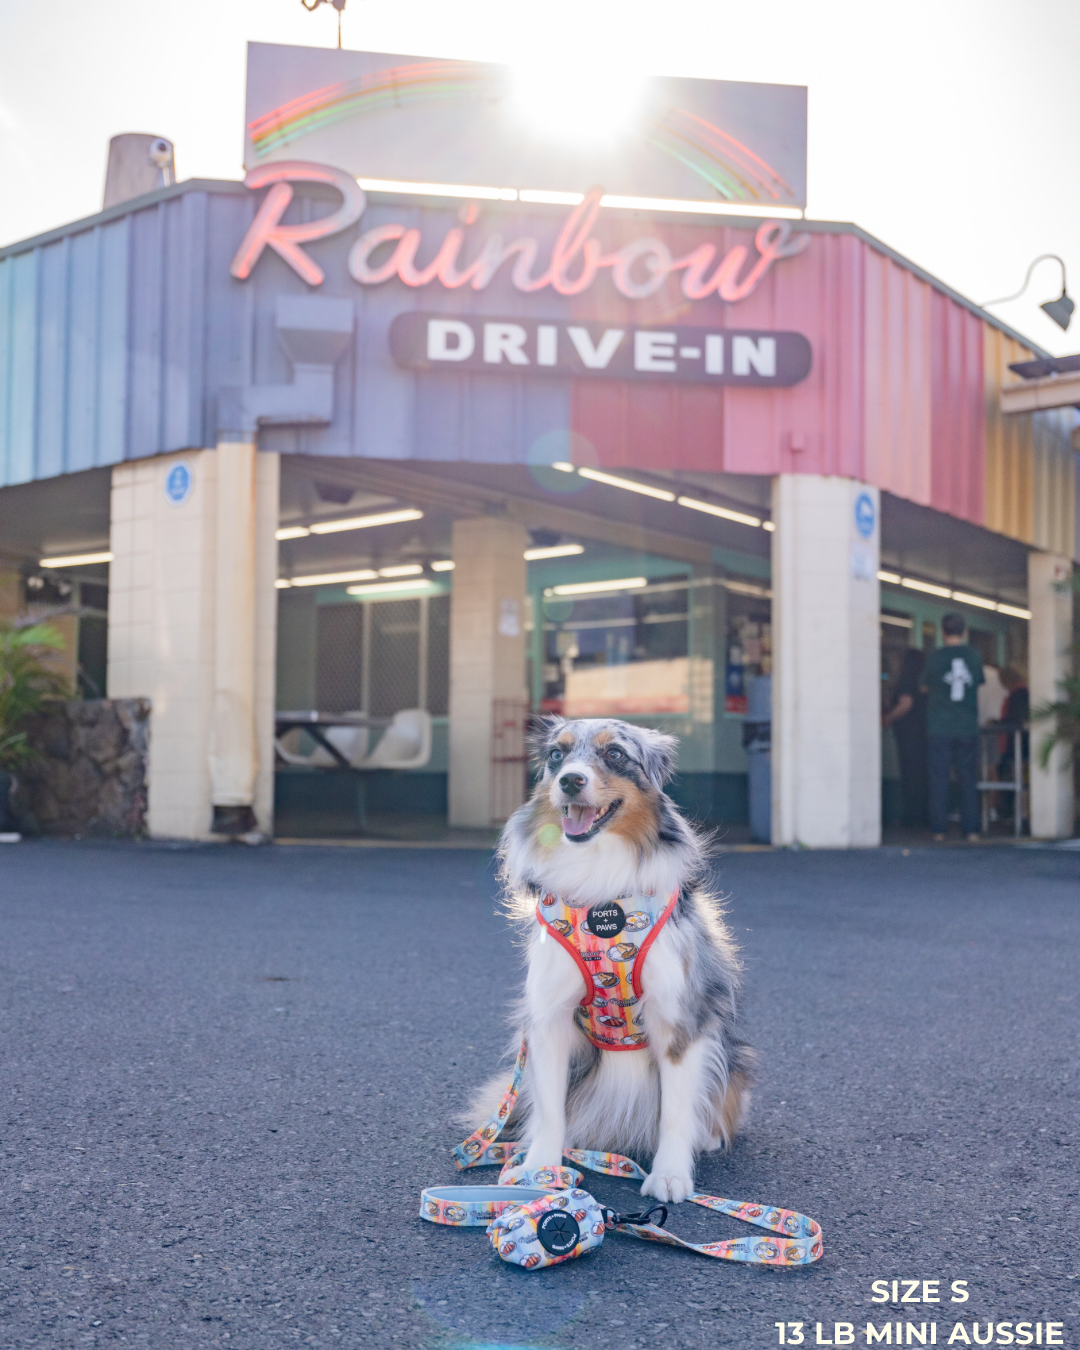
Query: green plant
[[25, 683], [1065, 710]]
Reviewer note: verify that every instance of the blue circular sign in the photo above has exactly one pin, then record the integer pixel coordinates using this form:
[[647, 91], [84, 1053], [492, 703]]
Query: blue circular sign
[[178, 483], [865, 515]]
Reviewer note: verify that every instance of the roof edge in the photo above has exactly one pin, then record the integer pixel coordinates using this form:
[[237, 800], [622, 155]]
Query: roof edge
[[234, 187], [227, 186]]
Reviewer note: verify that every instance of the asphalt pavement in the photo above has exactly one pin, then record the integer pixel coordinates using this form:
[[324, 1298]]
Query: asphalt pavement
[[226, 1073]]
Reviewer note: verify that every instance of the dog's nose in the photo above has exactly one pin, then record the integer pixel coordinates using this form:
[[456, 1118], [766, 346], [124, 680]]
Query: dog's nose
[[572, 783]]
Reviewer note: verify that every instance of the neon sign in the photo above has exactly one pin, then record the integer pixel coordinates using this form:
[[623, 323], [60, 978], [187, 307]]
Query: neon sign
[[638, 269]]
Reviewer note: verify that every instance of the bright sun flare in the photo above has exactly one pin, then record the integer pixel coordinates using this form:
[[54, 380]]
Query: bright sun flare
[[565, 100]]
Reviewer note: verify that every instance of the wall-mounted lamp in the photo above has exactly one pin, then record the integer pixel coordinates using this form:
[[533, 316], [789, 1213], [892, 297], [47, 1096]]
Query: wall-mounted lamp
[[1060, 310]]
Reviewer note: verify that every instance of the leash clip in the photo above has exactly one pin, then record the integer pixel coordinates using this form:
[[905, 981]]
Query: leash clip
[[613, 1220]]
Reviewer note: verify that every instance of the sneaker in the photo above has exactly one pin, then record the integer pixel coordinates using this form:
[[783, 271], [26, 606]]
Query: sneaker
[[10, 837], [973, 838], [939, 838]]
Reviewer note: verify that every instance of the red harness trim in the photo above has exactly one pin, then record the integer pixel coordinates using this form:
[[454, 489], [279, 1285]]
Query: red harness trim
[[635, 974], [586, 973]]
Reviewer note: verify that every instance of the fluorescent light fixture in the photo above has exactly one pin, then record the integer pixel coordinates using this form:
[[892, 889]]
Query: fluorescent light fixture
[[700, 208], [387, 587], [892, 577], [75, 560], [404, 570], [556, 551], [897, 621], [443, 565], [738, 516], [282, 584], [979, 601], [768, 525], [365, 522], [746, 588], [544, 197], [562, 466], [595, 587], [488, 194], [333, 578], [627, 484], [292, 532], [926, 587], [1015, 611]]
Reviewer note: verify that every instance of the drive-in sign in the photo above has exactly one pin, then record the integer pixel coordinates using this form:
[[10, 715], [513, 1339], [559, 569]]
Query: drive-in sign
[[571, 348]]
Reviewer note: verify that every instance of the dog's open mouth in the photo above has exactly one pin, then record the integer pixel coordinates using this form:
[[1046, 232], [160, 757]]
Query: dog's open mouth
[[583, 822]]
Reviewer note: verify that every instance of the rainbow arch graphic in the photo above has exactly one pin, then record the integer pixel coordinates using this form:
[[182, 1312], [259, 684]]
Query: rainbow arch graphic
[[732, 169]]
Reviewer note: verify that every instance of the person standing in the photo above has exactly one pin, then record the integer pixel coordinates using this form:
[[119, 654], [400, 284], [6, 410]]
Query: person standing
[[951, 680], [907, 717]]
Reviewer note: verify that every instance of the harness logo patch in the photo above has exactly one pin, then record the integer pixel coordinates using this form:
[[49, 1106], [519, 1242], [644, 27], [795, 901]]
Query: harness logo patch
[[607, 920]]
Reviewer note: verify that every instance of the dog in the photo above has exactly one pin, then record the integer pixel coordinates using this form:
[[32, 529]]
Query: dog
[[599, 834]]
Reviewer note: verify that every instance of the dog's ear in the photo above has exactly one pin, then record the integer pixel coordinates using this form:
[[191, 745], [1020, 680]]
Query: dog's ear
[[658, 755], [543, 732]]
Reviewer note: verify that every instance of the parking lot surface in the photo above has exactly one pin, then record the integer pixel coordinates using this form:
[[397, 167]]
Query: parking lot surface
[[227, 1073]]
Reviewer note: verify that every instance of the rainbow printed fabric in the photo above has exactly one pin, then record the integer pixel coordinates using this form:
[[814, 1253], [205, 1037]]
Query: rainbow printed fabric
[[611, 968], [515, 1234]]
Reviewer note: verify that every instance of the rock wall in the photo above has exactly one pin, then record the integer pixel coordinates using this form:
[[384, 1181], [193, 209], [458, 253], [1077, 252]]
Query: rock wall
[[88, 776]]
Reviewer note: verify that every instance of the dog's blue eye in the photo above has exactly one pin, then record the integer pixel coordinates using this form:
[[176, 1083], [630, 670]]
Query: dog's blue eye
[[615, 754], [556, 756]]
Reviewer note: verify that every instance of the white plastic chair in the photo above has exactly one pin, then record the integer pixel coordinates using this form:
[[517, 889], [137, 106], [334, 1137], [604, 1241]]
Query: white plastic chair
[[351, 741], [405, 744]]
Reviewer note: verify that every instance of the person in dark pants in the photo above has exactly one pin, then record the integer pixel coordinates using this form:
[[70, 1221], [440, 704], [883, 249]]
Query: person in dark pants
[[950, 680], [907, 717]]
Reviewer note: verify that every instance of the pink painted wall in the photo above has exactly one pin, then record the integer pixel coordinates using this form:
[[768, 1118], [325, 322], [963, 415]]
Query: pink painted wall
[[895, 396]]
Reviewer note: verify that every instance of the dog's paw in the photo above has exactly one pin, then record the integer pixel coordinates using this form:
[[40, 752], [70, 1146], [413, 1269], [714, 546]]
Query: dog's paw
[[669, 1184]]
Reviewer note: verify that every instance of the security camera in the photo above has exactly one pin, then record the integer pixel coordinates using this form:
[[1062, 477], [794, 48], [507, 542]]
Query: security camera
[[161, 153]]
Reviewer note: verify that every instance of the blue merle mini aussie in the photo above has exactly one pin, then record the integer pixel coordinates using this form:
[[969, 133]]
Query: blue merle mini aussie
[[627, 950]]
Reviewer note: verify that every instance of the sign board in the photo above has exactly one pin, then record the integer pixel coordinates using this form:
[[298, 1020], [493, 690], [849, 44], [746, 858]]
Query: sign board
[[577, 349], [395, 117]]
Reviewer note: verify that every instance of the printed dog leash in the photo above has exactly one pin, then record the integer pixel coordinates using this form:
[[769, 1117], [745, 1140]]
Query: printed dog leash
[[798, 1241]]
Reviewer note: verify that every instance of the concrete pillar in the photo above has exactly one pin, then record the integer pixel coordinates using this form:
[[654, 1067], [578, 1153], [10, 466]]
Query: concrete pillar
[[487, 654], [233, 759], [826, 738], [1050, 599], [172, 600]]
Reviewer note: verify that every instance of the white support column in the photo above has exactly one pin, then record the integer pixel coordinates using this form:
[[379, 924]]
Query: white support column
[[232, 728], [192, 627], [826, 738], [487, 654], [267, 511], [1050, 600]]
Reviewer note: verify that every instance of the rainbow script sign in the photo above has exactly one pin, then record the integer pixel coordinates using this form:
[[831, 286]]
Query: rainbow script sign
[[637, 269]]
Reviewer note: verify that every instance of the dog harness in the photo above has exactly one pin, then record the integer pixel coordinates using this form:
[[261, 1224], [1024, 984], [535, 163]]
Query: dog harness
[[609, 941], [537, 1217]]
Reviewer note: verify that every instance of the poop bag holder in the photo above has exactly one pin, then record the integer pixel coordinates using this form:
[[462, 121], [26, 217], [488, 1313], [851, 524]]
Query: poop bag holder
[[532, 1227]]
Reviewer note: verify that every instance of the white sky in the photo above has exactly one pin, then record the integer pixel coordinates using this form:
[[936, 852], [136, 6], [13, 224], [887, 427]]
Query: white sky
[[948, 128]]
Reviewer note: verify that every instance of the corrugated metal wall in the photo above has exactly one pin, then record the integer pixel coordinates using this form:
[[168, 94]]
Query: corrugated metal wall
[[897, 428], [116, 337], [1030, 479]]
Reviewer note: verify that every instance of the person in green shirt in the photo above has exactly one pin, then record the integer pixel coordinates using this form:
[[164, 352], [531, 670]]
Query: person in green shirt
[[951, 678]]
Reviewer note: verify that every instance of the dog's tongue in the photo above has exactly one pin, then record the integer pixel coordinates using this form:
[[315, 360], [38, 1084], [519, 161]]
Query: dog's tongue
[[579, 819]]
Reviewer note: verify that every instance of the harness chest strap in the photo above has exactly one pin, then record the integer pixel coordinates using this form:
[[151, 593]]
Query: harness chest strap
[[604, 943], [798, 1241]]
